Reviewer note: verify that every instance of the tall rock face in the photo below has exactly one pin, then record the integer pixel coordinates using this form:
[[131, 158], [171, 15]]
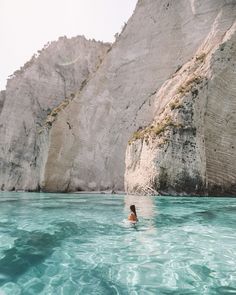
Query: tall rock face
[[87, 142], [69, 114], [32, 94], [190, 146]]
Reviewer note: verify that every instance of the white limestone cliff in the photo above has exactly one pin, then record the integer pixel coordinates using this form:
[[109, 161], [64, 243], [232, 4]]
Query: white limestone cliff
[[67, 118], [88, 140], [50, 78], [190, 147]]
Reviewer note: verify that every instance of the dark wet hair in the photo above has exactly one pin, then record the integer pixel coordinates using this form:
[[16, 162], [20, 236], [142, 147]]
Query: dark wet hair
[[132, 208]]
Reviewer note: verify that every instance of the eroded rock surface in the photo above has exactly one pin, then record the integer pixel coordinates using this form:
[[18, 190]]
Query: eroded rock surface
[[189, 148], [88, 141], [44, 82], [68, 114]]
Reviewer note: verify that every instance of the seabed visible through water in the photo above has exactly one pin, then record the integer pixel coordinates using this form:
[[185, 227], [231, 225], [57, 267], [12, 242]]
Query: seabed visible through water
[[71, 244]]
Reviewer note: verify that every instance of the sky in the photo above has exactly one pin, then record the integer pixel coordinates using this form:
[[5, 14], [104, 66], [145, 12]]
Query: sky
[[26, 25]]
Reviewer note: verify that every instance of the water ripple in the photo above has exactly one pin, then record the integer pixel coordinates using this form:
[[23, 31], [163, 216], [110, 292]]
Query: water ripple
[[80, 244]]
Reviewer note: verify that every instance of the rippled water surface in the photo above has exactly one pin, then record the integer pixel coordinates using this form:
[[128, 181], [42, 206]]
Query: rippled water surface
[[81, 244]]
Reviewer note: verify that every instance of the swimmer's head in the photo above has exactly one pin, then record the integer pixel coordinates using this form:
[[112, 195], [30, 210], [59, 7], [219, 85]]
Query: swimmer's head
[[132, 208]]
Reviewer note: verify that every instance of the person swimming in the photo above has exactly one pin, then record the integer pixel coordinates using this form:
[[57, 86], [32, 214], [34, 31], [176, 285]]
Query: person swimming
[[133, 215]]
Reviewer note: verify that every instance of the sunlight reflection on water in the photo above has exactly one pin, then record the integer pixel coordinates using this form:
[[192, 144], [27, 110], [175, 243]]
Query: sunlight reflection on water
[[80, 244]]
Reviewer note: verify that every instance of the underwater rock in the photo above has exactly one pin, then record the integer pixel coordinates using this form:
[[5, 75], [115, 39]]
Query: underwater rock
[[2, 99], [31, 249]]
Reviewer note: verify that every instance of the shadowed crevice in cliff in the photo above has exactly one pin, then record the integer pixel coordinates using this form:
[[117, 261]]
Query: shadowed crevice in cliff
[[2, 99], [31, 249], [222, 190]]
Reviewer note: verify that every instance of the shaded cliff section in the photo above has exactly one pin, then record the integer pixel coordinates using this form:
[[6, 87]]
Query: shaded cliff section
[[2, 99], [189, 148], [50, 79]]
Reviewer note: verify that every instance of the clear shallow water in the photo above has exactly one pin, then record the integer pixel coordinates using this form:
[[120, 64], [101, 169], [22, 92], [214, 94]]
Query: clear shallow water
[[80, 244]]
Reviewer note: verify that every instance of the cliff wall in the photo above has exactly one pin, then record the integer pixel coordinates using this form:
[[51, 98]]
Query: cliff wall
[[88, 140], [32, 93], [69, 113], [189, 148]]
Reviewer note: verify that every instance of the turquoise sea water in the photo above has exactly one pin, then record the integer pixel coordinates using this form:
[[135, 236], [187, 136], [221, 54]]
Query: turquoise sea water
[[81, 244]]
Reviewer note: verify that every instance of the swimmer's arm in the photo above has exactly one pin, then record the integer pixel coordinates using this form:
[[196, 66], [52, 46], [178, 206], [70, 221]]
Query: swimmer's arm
[[132, 217]]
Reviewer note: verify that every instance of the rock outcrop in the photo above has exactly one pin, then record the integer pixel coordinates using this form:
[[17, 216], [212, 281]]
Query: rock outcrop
[[53, 77], [189, 148], [88, 151], [68, 117]]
